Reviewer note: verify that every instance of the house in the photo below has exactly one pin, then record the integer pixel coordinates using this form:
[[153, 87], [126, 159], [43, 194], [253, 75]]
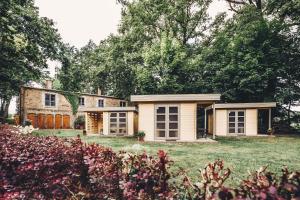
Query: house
[[47, 108], [181, 117]]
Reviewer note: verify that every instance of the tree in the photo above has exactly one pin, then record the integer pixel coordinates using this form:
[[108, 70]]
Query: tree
[[26, 42]]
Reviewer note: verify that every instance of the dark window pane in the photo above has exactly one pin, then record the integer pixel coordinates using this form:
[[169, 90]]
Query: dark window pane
[[231, 113], [161, 110], [122, 114], [122, 130], [241, 119], [231, 130], [231, 125], [173, 110], [100, 103], [160, 118], [161, 133], [113, 130], [113, 119], [113, 114], [173, 133], [231, 119], [241, 113], [122, 125], [241, 125], [173, 117], [173, 126], [122, 119], [161, 125], [52, 97]]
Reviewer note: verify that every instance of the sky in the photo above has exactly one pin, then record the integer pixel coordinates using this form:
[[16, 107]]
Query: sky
[[79, 21]]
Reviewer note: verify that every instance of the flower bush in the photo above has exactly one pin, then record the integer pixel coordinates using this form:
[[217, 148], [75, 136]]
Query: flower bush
[[56, 168]]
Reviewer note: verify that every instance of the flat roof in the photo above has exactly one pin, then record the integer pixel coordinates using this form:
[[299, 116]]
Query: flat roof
[[110, 109], [82, 94], [246, 105], [175, 97]]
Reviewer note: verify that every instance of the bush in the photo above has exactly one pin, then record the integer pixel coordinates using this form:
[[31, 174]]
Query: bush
[[55, 168], [79, 121], [10, 121], [140, 134]]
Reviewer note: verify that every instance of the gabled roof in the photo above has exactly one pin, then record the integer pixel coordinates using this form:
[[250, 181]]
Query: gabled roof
[[175, 98], [245, 105]]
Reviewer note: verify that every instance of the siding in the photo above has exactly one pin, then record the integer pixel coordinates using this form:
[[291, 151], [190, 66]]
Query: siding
[[251, 122], [146, 120], [105, 123], [187, 122], [221, 122], [130, 123]]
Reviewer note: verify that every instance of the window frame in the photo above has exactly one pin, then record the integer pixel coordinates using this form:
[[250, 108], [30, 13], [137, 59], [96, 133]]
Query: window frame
[[118, 123], [51, 102], [236, 122], [167, 122], [79, 100], [99, 104]]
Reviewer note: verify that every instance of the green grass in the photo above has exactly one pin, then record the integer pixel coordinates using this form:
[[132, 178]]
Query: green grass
[[241, 154]]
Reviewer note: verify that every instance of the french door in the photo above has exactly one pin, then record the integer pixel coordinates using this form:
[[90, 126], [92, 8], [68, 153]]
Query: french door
[[117, 123], [167, 122], [236, 121]]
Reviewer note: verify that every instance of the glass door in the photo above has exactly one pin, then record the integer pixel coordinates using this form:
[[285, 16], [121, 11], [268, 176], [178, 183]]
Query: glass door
[[236, 121], [117, 123], [167, 122]]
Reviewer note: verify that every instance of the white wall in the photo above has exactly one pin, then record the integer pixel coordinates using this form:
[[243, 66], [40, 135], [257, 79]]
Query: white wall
[[221, 122], [146, 120], [188, 122], [251, 122]]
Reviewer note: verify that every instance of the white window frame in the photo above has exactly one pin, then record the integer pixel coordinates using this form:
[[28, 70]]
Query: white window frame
[[167, 122], [79, 100], [55, 99], [118, 123], [236, 122]]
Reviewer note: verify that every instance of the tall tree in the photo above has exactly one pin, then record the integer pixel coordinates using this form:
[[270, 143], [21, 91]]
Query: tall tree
[[26, 42]]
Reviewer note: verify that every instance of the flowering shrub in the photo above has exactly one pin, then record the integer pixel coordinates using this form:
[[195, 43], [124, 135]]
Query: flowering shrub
[[55, 168]]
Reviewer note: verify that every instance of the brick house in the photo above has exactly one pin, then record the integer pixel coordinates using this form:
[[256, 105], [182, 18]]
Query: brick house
[[47, 108]]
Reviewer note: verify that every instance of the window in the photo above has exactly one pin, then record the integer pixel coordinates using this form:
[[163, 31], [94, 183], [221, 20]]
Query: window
[[122, 103], [117, 123], [236, 121], [49, 99], [101, 103], [81, 101], [167, 122]]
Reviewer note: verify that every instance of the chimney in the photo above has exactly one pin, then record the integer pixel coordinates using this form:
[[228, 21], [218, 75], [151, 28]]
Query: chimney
[[99, 92], [48, 84]]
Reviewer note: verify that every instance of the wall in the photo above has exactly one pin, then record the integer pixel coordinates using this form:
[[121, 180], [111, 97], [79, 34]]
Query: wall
[[105, 123], [221, 122], [146, 120], [188, 122], [251, 122], [130, 123]]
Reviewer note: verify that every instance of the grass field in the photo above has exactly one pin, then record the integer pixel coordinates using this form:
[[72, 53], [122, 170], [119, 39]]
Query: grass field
[[241, 154]]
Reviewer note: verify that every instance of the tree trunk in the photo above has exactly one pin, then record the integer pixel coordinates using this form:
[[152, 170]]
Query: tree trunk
[[4, 107]]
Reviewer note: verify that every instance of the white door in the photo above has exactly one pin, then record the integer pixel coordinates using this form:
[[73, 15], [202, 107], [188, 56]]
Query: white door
[[117, 123]]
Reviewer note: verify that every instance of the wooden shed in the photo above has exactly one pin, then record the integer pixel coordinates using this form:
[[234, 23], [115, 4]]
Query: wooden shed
[[114, 121]]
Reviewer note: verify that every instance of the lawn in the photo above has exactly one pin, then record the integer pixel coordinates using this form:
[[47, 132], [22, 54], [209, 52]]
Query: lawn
[[241, 154]]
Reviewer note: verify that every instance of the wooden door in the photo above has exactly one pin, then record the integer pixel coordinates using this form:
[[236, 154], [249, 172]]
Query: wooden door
[[58, 121], [31, 117], [66, 121], [50, 121], [41, 121]]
